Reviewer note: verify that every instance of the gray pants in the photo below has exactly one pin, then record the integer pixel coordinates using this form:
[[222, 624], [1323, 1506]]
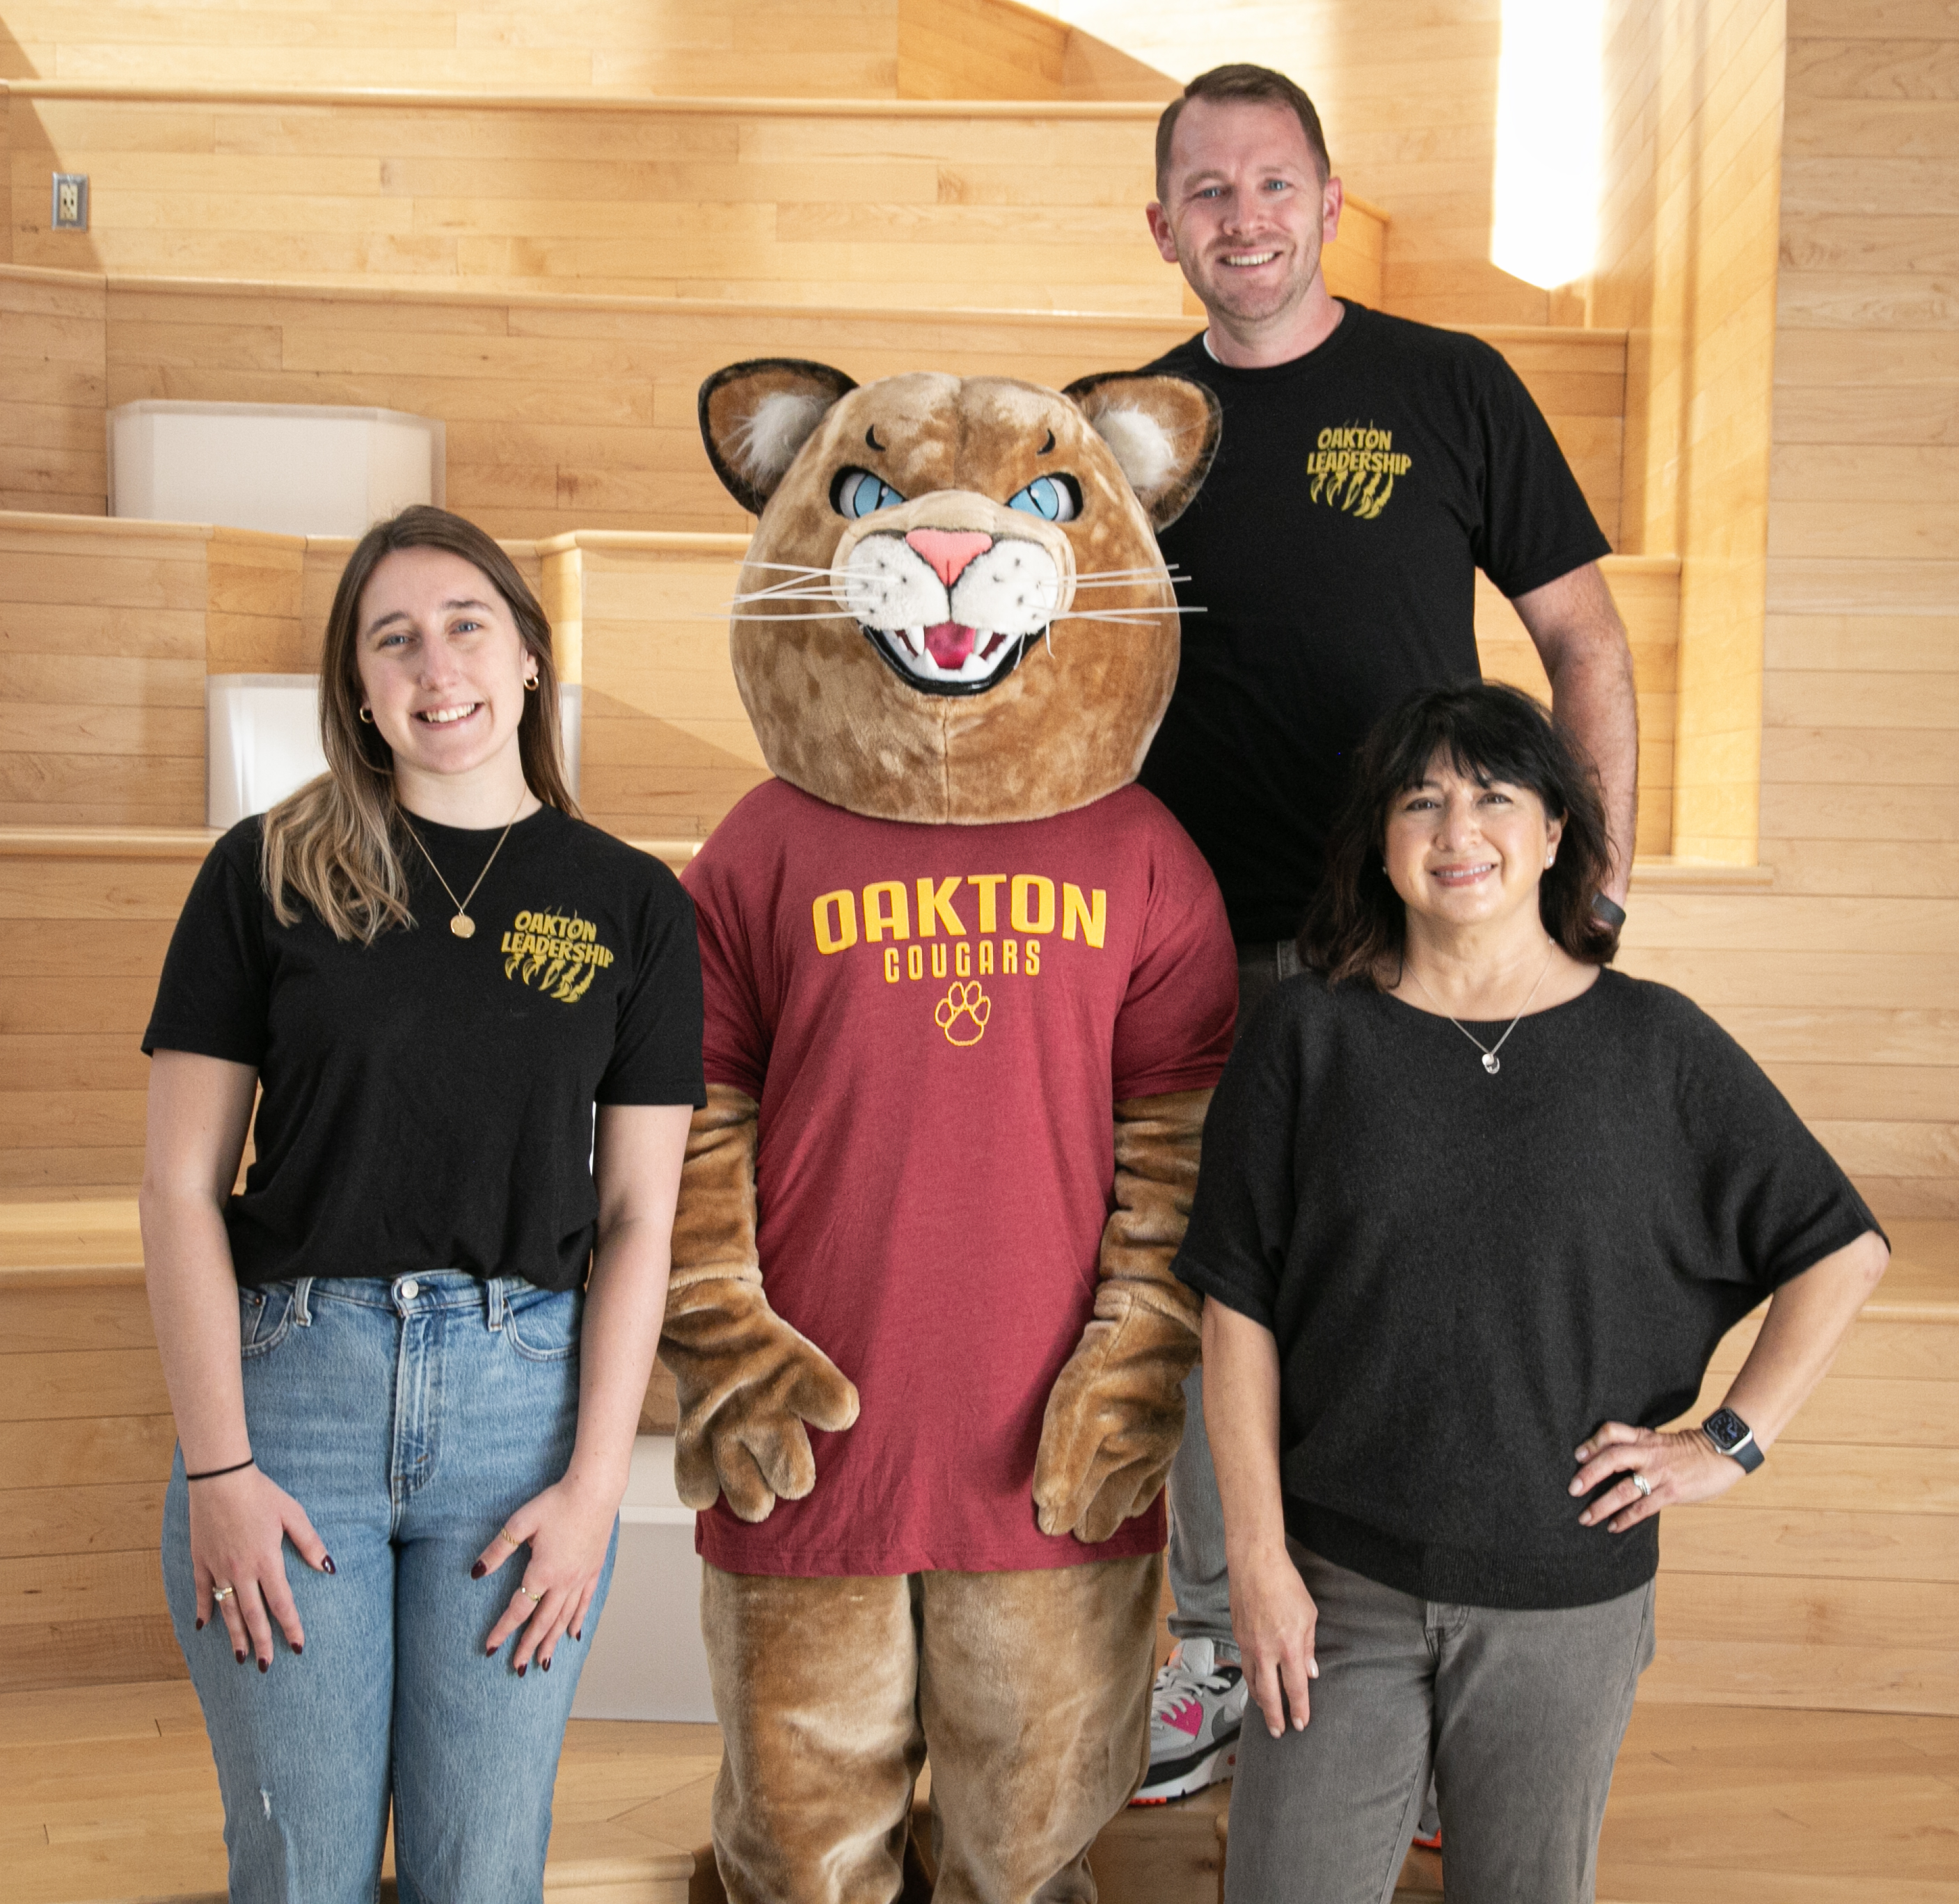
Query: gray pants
[[1197, 1580], [1519, 1715]]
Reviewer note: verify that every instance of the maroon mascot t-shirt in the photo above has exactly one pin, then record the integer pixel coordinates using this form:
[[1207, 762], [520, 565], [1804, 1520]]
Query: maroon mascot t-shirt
[[936, 1021]]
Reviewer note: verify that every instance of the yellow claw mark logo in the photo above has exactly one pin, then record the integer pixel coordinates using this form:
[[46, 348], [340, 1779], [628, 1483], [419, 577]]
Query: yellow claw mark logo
[[557, 954], [1353, 467], [962, 1013]]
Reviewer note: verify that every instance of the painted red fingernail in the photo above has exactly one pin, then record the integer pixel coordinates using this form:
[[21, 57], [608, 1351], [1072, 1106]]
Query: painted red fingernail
[[326, 1564], [478, 1571], [239, 1656], [200, 1625], [545, 1664], [264, 1665], [489, 1653], [580, 1634], [522, 1669], [299, 1647]]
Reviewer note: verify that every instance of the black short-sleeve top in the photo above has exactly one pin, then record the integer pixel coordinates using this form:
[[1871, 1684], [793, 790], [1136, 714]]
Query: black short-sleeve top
[[1467, 1274], [427, 1101]]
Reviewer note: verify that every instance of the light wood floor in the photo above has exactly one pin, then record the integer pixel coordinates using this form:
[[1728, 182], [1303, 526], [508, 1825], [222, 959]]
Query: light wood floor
[[107, 1793]]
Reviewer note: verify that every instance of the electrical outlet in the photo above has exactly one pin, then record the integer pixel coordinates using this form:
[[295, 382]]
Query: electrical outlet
[[71, 202]]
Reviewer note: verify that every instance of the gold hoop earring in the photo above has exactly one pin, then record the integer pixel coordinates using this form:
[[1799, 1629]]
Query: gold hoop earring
[[531, 685], [367, 715]]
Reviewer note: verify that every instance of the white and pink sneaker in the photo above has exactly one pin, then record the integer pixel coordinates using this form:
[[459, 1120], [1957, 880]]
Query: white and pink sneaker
[[1197, 1710]]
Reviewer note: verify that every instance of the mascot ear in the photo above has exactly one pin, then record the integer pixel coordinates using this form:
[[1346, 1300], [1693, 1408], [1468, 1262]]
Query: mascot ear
[[755, 416], [1163, 432]]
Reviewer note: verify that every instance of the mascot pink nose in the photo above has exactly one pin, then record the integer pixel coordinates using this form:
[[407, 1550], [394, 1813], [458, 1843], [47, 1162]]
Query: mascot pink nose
[[948, 551]]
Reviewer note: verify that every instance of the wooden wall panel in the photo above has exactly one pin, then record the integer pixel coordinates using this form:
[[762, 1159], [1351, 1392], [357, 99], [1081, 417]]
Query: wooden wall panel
[[1845, 1547], [782, 49], [1688, 265], [1860, 740], [52, 445], [1406, 92]]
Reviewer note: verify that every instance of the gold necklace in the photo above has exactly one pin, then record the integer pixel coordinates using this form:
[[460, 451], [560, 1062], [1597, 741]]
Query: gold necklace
[[462, 925]]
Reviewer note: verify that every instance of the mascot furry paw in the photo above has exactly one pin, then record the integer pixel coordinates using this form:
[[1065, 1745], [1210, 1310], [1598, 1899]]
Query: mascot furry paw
[[967, 990]]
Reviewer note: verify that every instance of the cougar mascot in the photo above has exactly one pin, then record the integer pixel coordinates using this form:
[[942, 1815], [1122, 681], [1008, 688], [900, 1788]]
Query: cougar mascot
[[968, 989]]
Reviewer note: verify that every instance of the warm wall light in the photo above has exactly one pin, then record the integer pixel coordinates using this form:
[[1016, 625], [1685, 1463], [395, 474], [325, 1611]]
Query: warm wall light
[[1544, 217]]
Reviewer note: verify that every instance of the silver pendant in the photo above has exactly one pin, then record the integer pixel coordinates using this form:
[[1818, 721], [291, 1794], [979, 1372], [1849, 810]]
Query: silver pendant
[[464, 927], [1492, 1063]]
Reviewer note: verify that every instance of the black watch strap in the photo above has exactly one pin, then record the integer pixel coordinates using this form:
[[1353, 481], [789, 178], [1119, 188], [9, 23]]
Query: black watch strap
[[1733, 1437], [1610, 910]]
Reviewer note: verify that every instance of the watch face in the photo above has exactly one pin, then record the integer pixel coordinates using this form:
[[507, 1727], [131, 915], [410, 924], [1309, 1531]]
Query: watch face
[[1725, 1429]]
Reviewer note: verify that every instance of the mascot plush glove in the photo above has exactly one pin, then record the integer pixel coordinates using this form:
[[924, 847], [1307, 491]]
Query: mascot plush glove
[[1115, 1415], [748, 1382]]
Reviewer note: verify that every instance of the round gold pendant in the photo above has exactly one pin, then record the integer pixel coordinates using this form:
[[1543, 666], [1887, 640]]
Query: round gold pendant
[[463, 926]]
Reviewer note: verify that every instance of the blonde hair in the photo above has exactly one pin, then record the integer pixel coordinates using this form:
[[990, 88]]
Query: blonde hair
[[337, 843]]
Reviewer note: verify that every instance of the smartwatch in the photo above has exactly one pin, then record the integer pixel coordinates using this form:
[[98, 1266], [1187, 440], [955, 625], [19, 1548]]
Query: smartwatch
[[1733, 1437]]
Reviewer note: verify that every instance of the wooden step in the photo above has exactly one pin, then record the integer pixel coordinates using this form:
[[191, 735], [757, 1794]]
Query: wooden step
[[562, 411], [913, 49], [864, 202]]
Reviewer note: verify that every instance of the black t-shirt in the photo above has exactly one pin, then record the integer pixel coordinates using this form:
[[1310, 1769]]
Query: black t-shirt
[[1468, 1274], [427, 1101], [1334, 548]]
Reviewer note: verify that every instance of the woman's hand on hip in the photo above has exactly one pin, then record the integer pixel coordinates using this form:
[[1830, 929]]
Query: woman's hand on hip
[[1677, 1469], [239, 1526], [561, 1537], [1273, 1619]]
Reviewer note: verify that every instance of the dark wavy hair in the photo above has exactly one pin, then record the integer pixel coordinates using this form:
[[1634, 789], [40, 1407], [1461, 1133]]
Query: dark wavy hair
[[1358, 925]]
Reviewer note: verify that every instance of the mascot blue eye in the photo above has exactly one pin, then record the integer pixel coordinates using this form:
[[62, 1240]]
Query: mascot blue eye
[[856, 492], [1054, 499]]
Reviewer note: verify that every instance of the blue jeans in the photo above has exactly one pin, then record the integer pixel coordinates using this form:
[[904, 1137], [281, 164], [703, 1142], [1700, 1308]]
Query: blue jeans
[[410, 1418]]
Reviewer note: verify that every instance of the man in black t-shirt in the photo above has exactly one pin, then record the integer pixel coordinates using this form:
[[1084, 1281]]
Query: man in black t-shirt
[[1369, 466]]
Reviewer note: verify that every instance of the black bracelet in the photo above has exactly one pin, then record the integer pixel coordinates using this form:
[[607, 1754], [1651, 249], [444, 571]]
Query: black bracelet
[[212, 1474], [1610, 910]]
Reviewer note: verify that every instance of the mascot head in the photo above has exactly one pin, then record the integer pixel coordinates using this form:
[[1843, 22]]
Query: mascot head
[[953, 609]]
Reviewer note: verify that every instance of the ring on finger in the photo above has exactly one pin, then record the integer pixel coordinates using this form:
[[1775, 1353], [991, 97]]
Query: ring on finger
[[504, 1534], [535, 1599], [223, 1593], [1640, 1481]]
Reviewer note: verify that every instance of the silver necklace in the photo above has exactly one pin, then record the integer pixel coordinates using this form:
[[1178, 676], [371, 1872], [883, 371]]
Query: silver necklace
[[1491, 1062], [462, 925]]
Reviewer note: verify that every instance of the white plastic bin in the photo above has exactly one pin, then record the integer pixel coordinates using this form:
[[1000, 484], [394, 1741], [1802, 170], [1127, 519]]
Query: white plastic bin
[[262, 740], [288, 469], [647, 1661]]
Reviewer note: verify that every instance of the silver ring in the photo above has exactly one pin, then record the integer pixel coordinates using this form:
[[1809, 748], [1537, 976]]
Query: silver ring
[[1642, 1483], [223, 1593]]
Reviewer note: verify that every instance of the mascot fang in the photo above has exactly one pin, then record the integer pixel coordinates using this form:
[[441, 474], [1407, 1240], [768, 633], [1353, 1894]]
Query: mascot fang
[[967, 989]]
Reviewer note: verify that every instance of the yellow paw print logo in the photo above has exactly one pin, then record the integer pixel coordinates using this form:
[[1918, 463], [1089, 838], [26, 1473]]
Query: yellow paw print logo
[[962, 1013]]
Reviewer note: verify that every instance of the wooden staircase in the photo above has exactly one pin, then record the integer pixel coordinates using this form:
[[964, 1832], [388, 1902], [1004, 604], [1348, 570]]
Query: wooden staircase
[[576, 216]]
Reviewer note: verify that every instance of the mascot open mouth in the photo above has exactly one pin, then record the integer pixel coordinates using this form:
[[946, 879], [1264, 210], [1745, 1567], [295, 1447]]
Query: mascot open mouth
[[951, 611], [949, 657]]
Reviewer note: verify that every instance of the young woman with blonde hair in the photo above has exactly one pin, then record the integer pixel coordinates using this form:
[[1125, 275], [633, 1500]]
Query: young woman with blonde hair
[[407, 1361]]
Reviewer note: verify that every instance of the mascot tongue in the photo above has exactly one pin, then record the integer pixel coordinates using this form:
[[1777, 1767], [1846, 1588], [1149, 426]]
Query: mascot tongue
[[949, 642]]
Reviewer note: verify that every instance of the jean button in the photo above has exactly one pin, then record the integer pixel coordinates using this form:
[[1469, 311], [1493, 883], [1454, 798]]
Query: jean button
[[411, 1290]]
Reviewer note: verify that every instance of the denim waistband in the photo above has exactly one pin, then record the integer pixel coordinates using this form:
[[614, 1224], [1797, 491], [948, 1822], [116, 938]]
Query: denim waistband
[[421, 1291]]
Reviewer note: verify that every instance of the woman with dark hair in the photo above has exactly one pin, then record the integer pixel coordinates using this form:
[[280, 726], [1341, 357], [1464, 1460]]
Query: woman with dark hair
[[414, 1348], [1474, 1213]]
